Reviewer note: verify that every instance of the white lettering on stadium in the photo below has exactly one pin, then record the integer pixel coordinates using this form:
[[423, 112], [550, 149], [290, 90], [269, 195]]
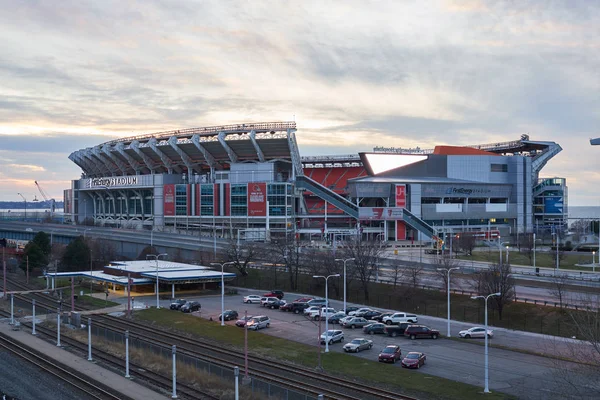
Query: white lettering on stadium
[[116, 181]]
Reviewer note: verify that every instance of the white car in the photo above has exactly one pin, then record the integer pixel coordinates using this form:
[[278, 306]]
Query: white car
[[353, 313], [347, 318], [251, 299], [311, 309], [323, 313], [475, 332], [332, 336]]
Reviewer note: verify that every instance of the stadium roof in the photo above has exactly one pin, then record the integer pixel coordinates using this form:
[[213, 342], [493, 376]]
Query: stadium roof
[[197, 149]]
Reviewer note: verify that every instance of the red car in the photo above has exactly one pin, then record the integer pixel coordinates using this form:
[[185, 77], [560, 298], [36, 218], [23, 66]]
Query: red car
[[391, 354], [242, 321], [414, 360], [303, 299], [274, 293]]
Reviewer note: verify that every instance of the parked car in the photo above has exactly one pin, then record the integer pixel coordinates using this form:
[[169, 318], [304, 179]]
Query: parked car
[[391, 353], [349, 309], [355, 322], [258, 322], [253, 298], [274, 293], [296, 308], [191, 306], [413, 359], [380, 317], [176, 305], [229, 315], [346, 318], [332, 336], [335, 318], [308, 310], [374, 328], [357, 345], [323, 313], [303, 299], [369, 315], [396, 330], [421, 331], [360, 310], [278, 304], [398, 317], [317, 302], [242, 321], [475, 332], [269, 302]]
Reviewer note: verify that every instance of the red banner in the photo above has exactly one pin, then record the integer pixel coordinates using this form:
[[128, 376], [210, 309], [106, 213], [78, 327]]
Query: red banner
[[169, 200], [257, 199], [401, 196]]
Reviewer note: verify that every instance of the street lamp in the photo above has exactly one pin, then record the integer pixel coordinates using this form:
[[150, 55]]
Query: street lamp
[[507, 254], [593, 257], [345, 260], [156, 257], [500, 247], [326, 307], [447, 271], [223, 287], [487, 388], [25, 200], [534, 242]]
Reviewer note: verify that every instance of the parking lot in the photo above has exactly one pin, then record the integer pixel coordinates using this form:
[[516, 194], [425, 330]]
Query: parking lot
[[524, 375]]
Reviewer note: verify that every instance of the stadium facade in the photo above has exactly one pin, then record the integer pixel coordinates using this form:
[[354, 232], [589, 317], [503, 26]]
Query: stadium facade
[[250, 181]]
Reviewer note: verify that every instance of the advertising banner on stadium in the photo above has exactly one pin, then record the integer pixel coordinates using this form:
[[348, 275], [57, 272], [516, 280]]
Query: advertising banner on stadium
[[257, 199], [380, 213], [169, 200], [401, 196]]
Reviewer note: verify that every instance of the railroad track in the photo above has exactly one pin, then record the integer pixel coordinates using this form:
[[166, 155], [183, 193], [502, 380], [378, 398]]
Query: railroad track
[[88, 387], [117, 364], [296, 377]]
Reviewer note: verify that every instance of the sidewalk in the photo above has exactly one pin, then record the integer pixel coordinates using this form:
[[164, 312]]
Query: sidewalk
[[111, 379]]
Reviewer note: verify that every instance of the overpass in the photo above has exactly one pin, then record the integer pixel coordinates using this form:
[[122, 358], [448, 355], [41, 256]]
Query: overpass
[[130, 242]]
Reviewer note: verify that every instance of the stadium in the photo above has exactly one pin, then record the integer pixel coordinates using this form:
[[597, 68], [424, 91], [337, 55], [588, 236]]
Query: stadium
[[249, 181]]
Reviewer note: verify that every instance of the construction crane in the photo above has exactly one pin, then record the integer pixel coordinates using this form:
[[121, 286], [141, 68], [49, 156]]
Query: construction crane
[[46, 198]]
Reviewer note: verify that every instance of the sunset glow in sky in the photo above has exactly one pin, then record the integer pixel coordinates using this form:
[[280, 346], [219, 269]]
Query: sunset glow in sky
[[353, 74]]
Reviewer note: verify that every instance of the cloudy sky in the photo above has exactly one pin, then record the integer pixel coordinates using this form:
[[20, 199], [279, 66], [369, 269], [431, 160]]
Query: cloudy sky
[[353, 74]]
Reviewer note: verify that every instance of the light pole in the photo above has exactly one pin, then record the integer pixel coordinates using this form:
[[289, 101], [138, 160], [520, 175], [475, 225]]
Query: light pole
[[534, 242], [506, 254], [487, 388], [500, 247], [25, 200], [223, 287], [345, 260], [447, 271], [156, 257], [326, 307]]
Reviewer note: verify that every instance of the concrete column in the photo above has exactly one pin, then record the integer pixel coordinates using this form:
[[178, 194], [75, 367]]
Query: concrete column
[[172, 290]]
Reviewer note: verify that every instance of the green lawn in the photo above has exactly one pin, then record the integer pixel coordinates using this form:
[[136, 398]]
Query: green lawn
[[373, 372]]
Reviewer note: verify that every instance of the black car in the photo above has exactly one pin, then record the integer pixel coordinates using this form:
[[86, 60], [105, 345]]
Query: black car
[[176, 305], [370, 315], [191, 306], [396, 330], [298, 308], [228, 315], [379, 317], [277, 304], [351, 308], [372, 329]]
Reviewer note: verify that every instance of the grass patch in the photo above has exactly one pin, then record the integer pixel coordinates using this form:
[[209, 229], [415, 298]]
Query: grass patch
[[340, 364], [542, 259]]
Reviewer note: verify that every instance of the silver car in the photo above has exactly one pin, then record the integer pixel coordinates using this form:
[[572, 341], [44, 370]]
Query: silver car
[[258, 322], [357, 345], [331, 336], [355, 322]]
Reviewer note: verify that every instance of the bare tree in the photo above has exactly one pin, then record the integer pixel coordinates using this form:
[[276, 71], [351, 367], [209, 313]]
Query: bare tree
[[398, 272], [286, 250], [365, 254], [467, 242], [526, 245], [559, 287], [413, 272], [243, 253], [103, 252], [496, 279], [323, 263], [444, 263]]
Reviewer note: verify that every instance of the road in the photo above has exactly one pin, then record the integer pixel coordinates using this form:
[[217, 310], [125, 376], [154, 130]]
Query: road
[[524, 375]]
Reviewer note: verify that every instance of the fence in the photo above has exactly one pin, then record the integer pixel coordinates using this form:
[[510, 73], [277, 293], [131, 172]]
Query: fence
[[262, 387]]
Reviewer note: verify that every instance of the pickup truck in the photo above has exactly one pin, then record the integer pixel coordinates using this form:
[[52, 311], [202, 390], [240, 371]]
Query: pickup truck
[[396, 330], [324, 313], [399, 317]]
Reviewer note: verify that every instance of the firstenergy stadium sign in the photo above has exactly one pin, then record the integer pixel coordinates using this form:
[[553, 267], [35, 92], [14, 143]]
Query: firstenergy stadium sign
[[113, 181]]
